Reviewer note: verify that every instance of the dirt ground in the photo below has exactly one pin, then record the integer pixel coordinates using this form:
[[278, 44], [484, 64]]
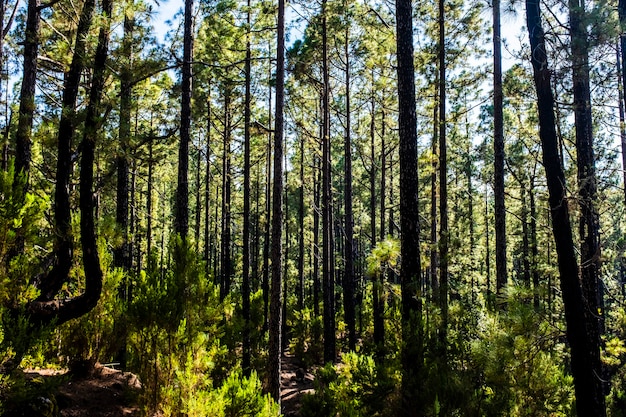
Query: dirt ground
[[111, 393]]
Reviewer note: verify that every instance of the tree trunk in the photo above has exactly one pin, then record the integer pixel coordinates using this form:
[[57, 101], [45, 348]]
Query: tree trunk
[[589, 222], [327, 224], [27, 93], [434, 252], [268, 200], [300, 289], [443, 185], [207, 187], [64, 244], [498, 150], [277, 216], [61, 311], [584, 350], [412, 356], [245, 282], [181, 214], [348, 278], [226, 197], [121, 254]]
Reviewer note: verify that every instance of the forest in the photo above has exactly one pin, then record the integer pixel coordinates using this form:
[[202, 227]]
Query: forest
[[336, 208]]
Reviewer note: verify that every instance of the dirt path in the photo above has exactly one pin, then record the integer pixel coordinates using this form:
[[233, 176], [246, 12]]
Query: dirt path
[[295, 382]]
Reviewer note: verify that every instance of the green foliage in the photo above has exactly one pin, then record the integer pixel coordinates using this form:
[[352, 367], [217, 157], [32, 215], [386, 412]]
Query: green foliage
[[383, 257], [20, 222], [355, 387], [306, 337], [95, 337], [521, 361]]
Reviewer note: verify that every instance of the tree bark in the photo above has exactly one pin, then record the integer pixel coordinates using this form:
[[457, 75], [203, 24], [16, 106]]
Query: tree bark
[[589, 222], [348, 278], [181, 215], [327, 223], [277, 216], [121, 254], [61, 311], [412, 356], [498, 150], [584, 350], [443, 186], [245, 282], [27, 93], [226, 266]]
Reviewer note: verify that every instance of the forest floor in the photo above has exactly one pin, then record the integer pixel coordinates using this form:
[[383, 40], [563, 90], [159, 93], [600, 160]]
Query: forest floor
[[111, 393], [295, 382]]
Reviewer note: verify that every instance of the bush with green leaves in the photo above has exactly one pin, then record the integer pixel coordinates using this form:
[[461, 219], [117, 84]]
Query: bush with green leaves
[[354, 387]]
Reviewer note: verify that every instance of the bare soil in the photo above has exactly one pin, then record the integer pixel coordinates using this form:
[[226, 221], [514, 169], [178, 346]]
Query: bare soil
[[295, 381], [108, 392]]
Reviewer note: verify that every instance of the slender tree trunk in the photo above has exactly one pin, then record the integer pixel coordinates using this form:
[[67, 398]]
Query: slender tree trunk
[[277, 215], [434, 252], [268, 201], [121, 254], [443, 184], [149, 200], [348, 278], [622, 118], [198, 198], [622, 80], [181, 214], [245, 283], [316, 236], [207, 186], [226, 197], [301, 230], [27, 93], [327, 223], [498, 149], [584, 349], [589, 223], [412, 355]]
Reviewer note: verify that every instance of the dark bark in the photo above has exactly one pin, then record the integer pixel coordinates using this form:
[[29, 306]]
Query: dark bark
[[181, 214], [348, 277], [277, 216], [378, 302], [245, 282], [327, 223], [584, 350], [622, 117], [498, 149], [267, 232], [64, 244], [207, 186], [434, 252], [317, 183], [300, 289], [27, 93], [589, 221], [61, 311], [621, 69], [226, 264], [121, 254], [443, 185], [412, 356], [149, 199]]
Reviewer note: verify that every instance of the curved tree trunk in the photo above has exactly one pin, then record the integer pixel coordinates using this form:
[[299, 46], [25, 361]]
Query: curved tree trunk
[[589, 401]]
